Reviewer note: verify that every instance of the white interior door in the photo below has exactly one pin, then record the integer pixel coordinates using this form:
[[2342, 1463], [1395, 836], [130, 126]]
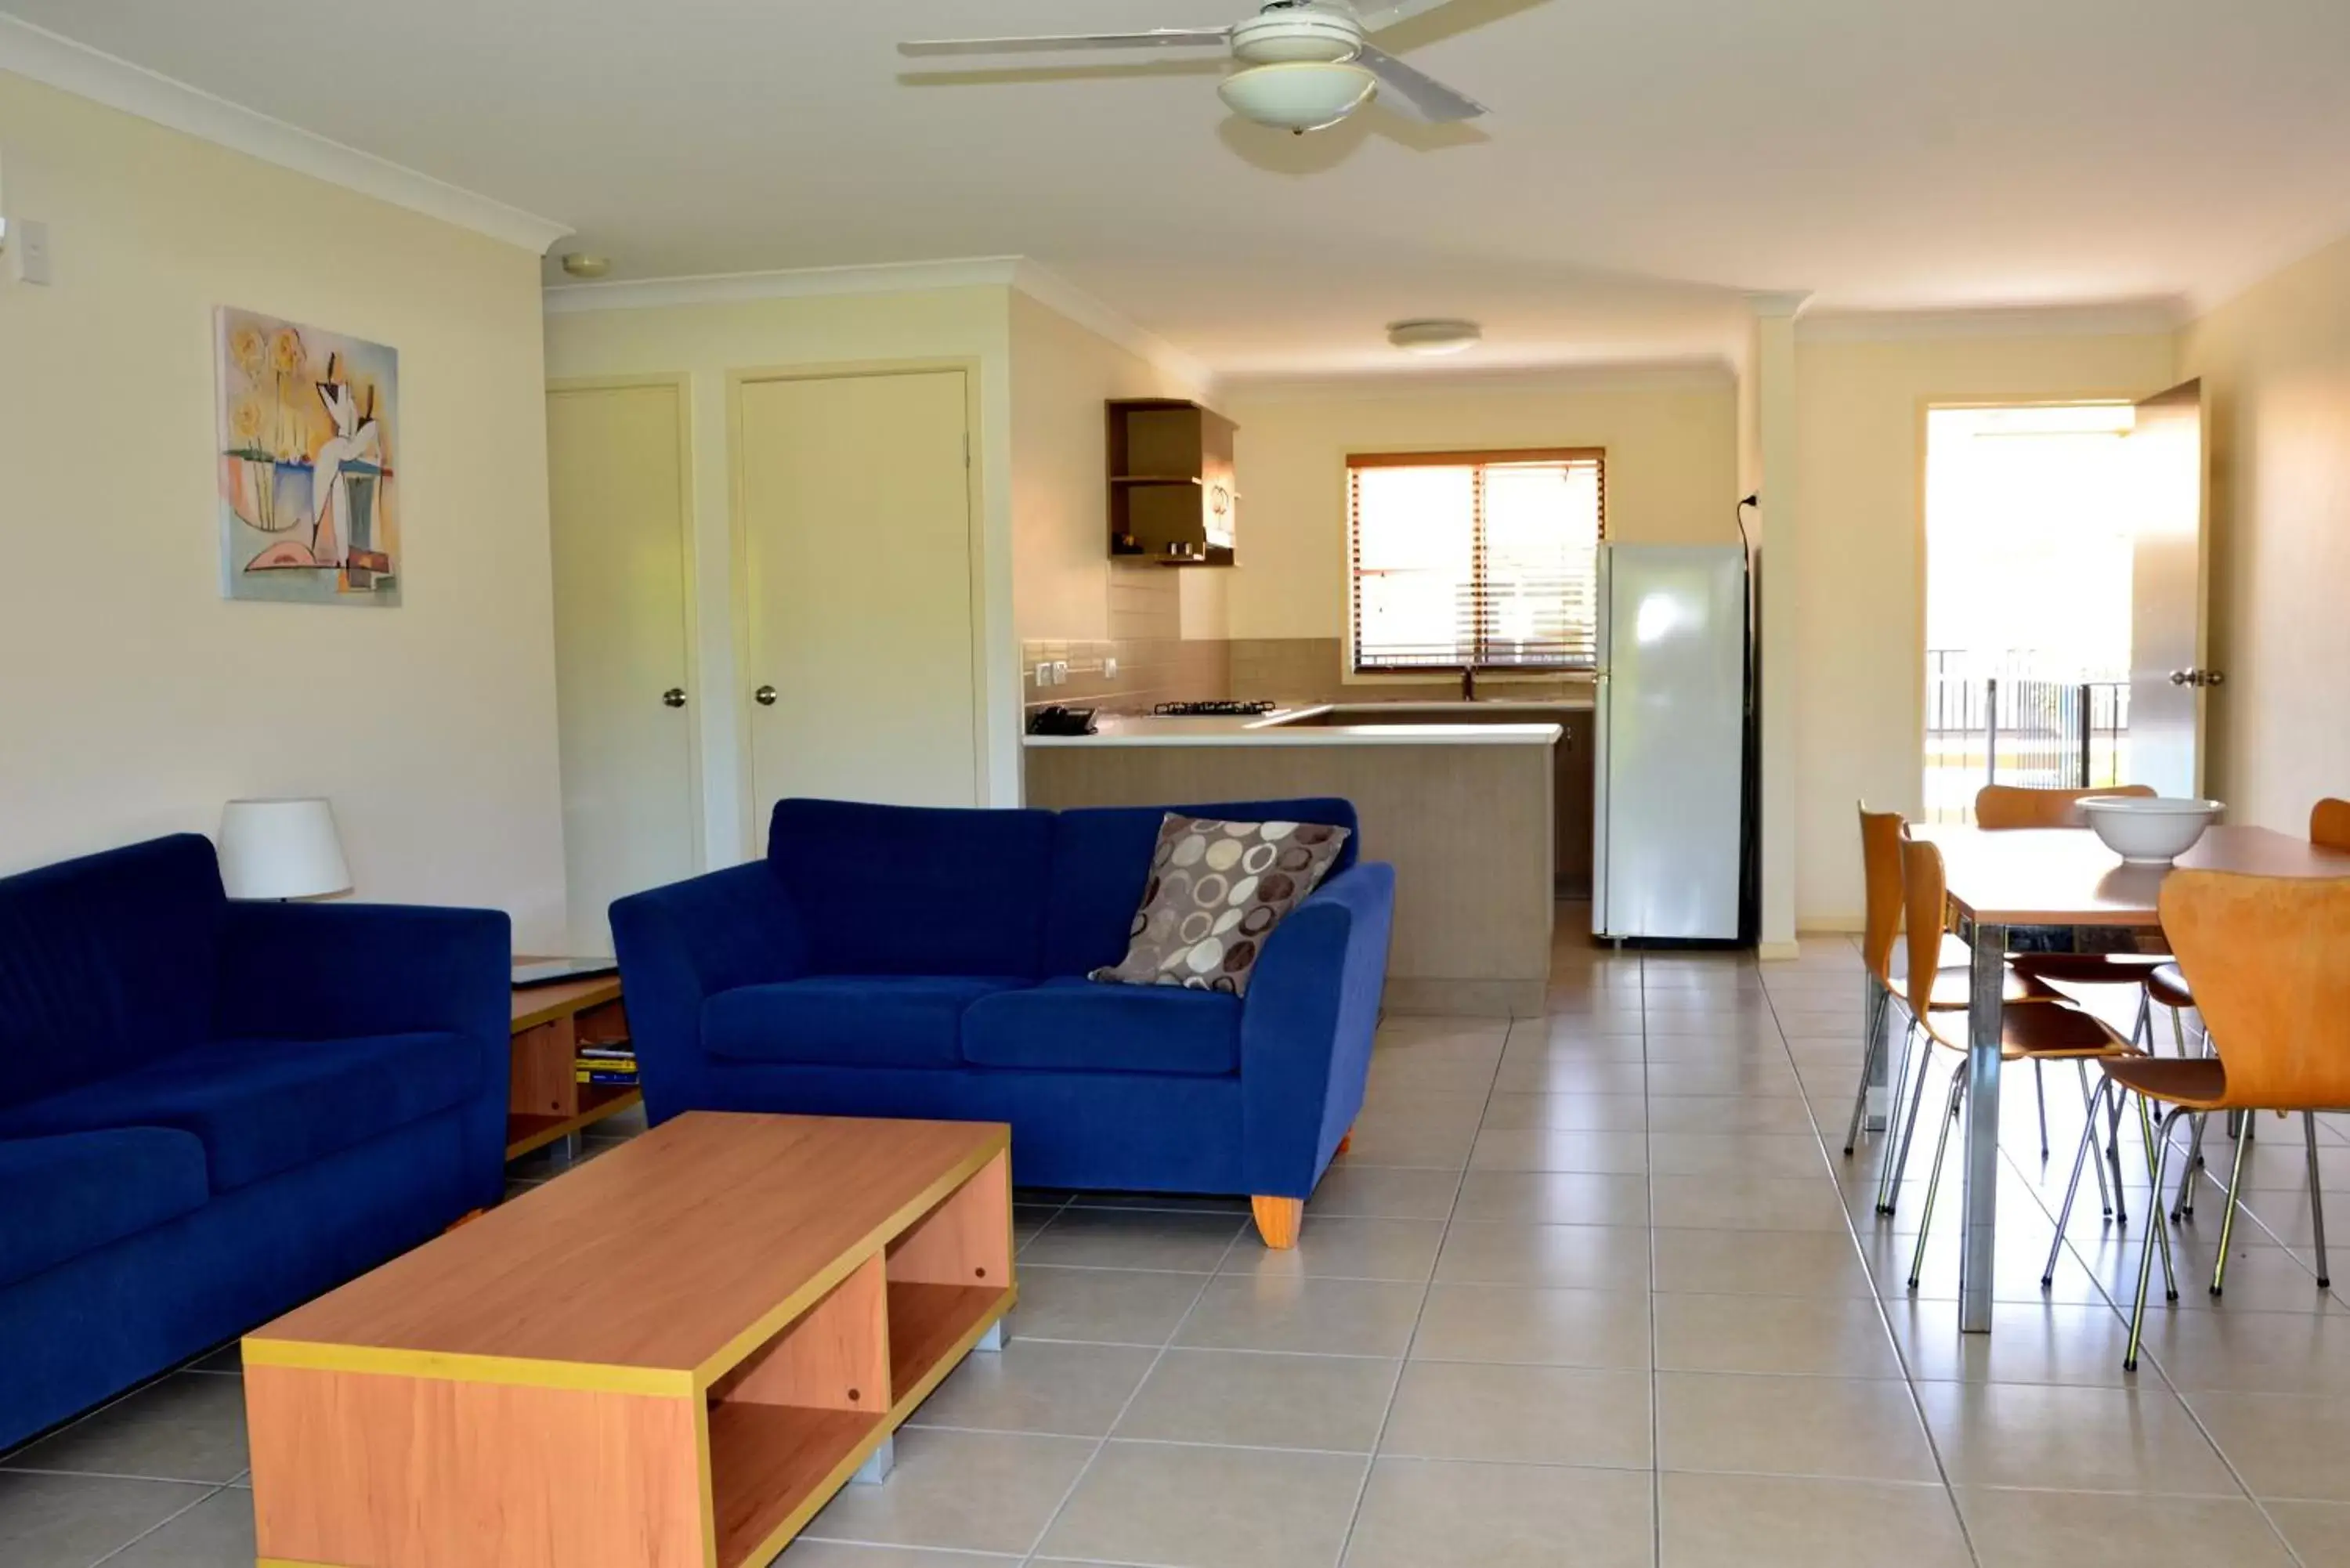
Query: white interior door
[[615, 470], [2169, 675], [857, 532]]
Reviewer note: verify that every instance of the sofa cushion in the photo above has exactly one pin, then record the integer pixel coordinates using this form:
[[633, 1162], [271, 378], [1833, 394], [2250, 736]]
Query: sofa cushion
[[1070, 1024], [69, 1195], [868, 1021], [262, 1107], [885, 889], [106, 962], [1101, 863]]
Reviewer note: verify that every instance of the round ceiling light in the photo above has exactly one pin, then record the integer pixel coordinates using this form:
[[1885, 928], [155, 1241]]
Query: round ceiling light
[[1435, 337], [579, 264], [1298, 94]]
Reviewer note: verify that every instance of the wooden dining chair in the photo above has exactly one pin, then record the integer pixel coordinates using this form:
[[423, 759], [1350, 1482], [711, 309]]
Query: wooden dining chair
[[2038, 1032], [2165, 986], [1881, 836], [2000, 808], [2269, 960]]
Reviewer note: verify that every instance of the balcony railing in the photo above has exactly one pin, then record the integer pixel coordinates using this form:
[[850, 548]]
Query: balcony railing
[[2012, 727]]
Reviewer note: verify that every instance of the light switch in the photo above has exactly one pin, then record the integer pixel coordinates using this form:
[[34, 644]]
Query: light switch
[[28, 250], [1109, 669]]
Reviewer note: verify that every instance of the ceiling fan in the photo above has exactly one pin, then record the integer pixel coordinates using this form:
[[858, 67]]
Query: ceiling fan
[[1303, 64]]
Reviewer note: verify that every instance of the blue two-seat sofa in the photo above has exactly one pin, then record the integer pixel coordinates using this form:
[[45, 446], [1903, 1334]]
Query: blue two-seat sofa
[[211, 1111], [896, 961]]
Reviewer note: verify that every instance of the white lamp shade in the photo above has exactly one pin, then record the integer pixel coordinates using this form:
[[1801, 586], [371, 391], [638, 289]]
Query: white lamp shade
[[281, 849], [1298, 94]]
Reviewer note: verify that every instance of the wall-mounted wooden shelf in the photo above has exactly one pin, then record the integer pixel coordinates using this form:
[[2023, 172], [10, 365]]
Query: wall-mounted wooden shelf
[[1171, 495]]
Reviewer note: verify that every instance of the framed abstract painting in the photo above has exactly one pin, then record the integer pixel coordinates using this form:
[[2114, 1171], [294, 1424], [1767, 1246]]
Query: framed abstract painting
[[309, 449]]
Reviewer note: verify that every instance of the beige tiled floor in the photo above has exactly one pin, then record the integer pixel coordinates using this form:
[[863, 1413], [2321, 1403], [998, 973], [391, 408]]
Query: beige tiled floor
[[1597, 1288]]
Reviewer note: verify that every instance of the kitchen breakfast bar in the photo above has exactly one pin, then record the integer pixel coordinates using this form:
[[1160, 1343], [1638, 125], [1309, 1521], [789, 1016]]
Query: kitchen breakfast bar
[[1461, 802]]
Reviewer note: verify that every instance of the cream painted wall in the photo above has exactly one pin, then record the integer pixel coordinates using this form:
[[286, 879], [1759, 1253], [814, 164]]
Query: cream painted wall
[[1860, 682], [708, 342], [1672, 467], [2275, 362], [133, 699], [1062, 373]]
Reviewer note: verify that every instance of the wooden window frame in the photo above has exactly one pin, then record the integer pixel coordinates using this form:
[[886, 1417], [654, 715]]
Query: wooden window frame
[[1478, 459]]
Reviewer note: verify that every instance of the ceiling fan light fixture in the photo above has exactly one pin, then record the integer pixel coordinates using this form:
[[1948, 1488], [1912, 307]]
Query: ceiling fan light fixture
[[1298, 95], [1435, 336]]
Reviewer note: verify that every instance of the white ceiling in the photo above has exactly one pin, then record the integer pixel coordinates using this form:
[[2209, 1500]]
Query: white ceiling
[[1646, 160]]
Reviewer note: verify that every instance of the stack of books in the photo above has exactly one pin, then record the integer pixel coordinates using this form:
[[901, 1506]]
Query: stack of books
[[614, 1065]]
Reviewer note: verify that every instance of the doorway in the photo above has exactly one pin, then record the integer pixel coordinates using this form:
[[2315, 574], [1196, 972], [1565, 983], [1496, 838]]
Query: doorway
[[853, 499], [623, 660], [2031, 524]]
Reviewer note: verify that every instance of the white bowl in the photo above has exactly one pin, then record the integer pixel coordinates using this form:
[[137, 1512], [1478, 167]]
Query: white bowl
[[2148, 830]]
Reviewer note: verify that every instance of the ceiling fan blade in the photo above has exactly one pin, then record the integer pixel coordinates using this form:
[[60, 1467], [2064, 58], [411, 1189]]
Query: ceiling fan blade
[[1422, 93], [1402, 10], [1158, 38]]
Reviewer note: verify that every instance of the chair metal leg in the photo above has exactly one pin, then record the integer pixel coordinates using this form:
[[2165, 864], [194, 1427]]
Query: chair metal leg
[[2089, 1100], [2316, 1196], [2158, 1233], [1874, 1016], [2114, 1157], [2154, 1167], [2142, 1030], [1897, 1149], [1934, 1177], [2040, 1089], [2072, 1187], [2228, 1215]]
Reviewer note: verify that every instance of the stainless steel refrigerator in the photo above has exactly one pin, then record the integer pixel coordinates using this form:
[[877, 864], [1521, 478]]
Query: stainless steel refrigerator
[[1669, 860]]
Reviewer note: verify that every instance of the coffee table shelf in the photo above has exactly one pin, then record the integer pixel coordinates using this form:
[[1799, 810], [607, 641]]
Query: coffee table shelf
[[672, 1357]]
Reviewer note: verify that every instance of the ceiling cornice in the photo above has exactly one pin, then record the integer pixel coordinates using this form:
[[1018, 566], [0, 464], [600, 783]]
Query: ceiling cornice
[[2121, 318], [1694, 375], [792, 283], [1050, 290], [59, 62], [1039, 283]]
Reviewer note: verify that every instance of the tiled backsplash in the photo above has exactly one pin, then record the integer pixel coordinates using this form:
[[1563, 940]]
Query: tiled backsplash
[[1155, 665]]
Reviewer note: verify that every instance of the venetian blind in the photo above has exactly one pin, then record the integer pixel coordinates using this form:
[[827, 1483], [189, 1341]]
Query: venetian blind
[[1486, 558]]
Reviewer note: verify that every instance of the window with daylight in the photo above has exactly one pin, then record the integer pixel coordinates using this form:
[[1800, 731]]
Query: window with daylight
[[1488, 559]]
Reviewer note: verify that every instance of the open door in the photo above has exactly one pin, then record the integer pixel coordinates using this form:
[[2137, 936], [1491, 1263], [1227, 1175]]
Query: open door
[[2169, 676]]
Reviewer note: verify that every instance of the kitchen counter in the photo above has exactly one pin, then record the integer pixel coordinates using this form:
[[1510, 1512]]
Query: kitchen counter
[[1332, 724]]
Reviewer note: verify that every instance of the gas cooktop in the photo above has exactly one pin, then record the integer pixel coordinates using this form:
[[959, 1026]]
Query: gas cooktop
[[1221, 708]]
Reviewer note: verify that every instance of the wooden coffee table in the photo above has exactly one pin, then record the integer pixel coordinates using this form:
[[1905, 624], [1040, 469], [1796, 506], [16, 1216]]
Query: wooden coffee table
[[669, 1357]]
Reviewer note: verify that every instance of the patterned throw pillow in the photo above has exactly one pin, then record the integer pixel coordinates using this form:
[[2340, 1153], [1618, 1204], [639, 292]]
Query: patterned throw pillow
[[1216, 892]]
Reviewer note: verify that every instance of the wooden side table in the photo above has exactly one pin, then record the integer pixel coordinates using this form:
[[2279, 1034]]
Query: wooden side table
[[545, 1102]]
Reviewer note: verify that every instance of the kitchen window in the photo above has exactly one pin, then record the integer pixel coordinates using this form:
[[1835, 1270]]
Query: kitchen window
[[1485, 559]]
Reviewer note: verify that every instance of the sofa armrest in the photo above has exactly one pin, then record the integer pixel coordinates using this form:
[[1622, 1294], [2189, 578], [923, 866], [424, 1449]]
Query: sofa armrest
[[324, 971], [682, 944], [331, 972], [1306, 1024]]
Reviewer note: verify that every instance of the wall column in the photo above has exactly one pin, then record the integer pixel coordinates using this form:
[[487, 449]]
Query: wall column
[[1771, 363]]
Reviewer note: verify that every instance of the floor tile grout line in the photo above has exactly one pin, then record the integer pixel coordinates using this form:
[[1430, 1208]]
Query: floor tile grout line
[[158, 1524], [1655, 1379], [1411, 1340], [1102, 1445], [2155, 1213], [1884, 1314]]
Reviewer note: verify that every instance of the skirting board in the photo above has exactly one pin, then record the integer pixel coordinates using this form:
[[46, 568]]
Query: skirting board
[[1465, 997], [1779, 952]]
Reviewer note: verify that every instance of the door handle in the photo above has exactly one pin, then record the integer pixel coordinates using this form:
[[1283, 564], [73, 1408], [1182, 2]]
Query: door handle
[[2204, 677], [765, 696], [2182, 678], [673, 697]]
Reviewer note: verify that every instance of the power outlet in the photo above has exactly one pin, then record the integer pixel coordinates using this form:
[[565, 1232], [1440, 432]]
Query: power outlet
[[1109, 669]]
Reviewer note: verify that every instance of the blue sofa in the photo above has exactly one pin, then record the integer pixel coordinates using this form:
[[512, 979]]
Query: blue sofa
[[211, 1111], [893, 962]]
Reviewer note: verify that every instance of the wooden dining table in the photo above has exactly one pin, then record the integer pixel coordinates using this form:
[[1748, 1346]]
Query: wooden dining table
[[2066, 879]]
